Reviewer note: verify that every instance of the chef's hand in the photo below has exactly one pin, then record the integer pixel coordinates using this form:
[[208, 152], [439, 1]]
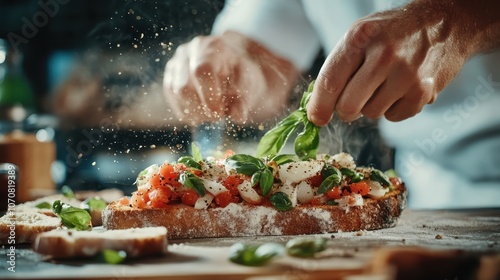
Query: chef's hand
[[393, 63], [212, 78]]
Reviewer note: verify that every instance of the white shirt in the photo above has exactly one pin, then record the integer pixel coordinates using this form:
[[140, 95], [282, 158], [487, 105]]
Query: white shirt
[[449, 154]]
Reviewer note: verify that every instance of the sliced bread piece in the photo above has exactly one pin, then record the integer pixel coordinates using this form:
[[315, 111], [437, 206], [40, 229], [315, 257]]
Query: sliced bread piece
[[23, 227], [136, 242]]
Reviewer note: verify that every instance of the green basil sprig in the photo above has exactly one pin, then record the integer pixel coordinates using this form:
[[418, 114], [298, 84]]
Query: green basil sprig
[[355, 176], [72, 217], [379, 176], [284, 158], [190, 180], [281, 201], [331, 178], [306, 143], [251, 166], [194, 160]]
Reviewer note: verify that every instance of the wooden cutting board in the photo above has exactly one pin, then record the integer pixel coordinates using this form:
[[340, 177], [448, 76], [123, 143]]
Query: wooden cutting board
[[475, 232]]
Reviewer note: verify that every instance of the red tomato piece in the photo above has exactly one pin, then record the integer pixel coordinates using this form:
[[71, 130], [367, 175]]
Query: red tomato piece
[[315, 181], [155, 181], [334, 193], [160, 197], [231, 183], [361, 188], [189, 197], [137, 200], [124, 201], [223, 199], [318, 200], [169, 175]]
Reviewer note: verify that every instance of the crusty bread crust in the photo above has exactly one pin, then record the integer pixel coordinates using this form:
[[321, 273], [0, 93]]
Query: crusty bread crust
[[71, 243], [25, 226], [242, 219]]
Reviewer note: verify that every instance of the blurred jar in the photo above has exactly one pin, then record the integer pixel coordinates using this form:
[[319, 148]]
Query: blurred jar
[[32, 155]]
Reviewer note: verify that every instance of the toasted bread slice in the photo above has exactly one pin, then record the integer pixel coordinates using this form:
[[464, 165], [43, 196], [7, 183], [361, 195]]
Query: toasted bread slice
[[136, 242], [23, 227], [241, 219]]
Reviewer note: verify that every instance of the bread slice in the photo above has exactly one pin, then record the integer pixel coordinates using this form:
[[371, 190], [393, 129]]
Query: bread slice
[[136, 242], [23, 227], [241, 219]]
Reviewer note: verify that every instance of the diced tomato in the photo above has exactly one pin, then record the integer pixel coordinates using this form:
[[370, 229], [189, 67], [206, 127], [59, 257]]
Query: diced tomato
[[346, 192], [395, 181], [235, 199], [223, 199], [231, 183], [169, 175], [334, 193], [155, 181], [160, 197], [315, 181], [124, 201], [318, 200], [361, 188], [189, 197], [138, 199], [197, 172]]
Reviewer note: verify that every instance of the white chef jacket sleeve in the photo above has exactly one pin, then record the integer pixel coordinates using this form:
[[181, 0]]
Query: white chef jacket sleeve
[[280, 25]]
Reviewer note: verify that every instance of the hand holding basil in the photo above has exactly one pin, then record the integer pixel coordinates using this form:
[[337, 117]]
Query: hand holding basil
[[307, 142]]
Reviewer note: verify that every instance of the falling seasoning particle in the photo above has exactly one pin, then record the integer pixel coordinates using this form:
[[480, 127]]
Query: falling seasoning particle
[[93, 163], [152, 146]]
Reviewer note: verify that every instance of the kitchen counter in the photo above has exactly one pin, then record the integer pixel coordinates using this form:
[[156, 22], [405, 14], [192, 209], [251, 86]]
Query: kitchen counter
[[474, 233]]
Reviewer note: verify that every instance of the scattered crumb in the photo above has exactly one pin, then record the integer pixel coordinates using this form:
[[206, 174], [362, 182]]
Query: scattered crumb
[[332, 236], [403, 240], [456, 237], [424, 226], [439, 236], [360, 233]]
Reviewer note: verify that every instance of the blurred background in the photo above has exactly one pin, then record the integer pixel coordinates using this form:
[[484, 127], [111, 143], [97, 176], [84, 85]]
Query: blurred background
[[84, 78]]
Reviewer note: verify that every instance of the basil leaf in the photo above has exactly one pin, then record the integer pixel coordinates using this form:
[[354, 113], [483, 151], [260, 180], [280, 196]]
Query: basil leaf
[[391, 173], [72, 217], [256, 178], [43, 205], [306, 96], [113, 257], [284, 158], [189, 180], [355, 176], [266, 181], [67, 192], [333, 178], [93, 203], [306, 247], [254, 255], [195, 151], [379, 176], [244, 164], [275, 139], [189, 162], [332, 202], [281, 201], [307, 142]]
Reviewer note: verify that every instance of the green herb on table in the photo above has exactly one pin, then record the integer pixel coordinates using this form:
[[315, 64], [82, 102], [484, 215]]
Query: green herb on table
[[112, 256], [43, 205], [306, 143], [254, 255], [251, 166], [306, 247], [72, 217]]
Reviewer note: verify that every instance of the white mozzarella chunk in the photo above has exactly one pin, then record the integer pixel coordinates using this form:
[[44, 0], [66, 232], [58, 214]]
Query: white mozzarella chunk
[[213, 171], [305, 192], [344, 160], [204, 201], [248, 193], [297, 171], [213, 187], [376, 189], [353, 199]]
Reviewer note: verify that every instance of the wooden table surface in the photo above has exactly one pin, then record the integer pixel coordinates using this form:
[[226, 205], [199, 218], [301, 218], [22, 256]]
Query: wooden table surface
[[475, 233]]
